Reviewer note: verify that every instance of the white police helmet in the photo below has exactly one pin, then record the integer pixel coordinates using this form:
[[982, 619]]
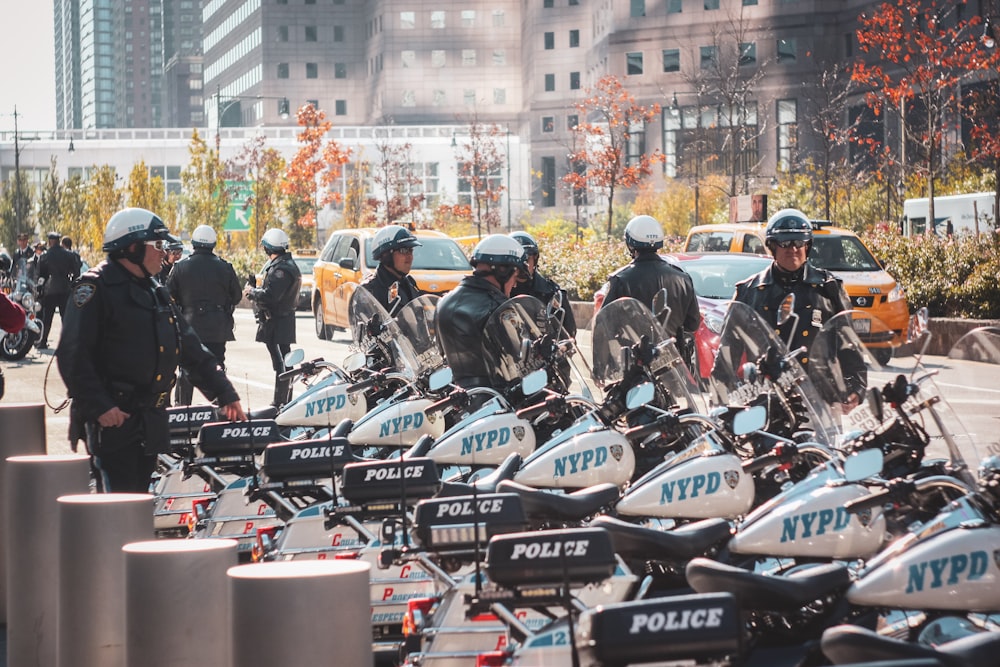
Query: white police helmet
[[643, 232], [275, 241], [203, 237], [133, 225], [498, 250]]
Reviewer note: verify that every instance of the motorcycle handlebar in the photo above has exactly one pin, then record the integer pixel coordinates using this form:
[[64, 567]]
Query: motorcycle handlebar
[[664, 422], [780, 454], [456, 397]]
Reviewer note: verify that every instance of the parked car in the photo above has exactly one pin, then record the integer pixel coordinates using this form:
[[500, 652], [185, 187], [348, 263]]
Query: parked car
[[714, 275], [869, 286], [346, 259]]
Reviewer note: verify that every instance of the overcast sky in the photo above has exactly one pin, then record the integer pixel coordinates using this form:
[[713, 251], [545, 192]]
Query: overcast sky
[[27, 65]]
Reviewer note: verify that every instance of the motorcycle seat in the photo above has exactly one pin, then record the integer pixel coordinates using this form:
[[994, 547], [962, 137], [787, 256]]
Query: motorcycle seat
[[682, 544], [488, 484], [850, 643], [545, 505], [755, 591]]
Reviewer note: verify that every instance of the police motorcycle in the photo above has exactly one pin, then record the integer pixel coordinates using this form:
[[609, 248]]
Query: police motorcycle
[[21, 290]]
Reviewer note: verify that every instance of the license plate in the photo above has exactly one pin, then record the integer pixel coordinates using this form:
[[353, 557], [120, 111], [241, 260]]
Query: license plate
[[862, 325], [860, 418]]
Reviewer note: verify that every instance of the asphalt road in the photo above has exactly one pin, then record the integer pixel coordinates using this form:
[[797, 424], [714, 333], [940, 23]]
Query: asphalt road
[[973, 393]]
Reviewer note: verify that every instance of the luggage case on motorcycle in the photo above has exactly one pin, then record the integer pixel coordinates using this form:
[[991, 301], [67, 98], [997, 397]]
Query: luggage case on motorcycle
[[305, 459], [390, 481], [185, 422], [460, 522], [237, 438]]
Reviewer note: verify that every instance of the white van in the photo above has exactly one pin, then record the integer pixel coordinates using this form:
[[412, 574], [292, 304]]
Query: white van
[[957, 214]]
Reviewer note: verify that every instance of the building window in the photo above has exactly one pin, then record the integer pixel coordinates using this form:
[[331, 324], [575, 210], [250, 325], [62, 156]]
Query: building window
[[407, 20], [498, 18], [787, 133], [574, 81], [409, 59], [675, 6], [282, 70], [338, 33], [313, 103], [499, 57], [499, 96], [437, 19], [468, 57], [469, 97], [749, 3], [550, 82], [340, 107], [468, 18], [848, 44], [711, 4], [548, 124], [550, 41], [311, 34], [574, 39], [548, 181], [671, 60], [637, 8], [748, 54], [548, 4], [409, 99], [340, 70], [312, 71], [707, 57], [439, 98], [633, 63], [282, 33], [438, 58], [574, 3], [786, 50], [572, 121]]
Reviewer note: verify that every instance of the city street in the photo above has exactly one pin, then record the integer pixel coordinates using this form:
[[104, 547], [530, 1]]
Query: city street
[[974, 396]]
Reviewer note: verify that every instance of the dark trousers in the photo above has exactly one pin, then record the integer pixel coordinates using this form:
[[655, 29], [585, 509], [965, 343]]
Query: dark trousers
[[125, 470], [278, 352], [51, 303], [184, 393]]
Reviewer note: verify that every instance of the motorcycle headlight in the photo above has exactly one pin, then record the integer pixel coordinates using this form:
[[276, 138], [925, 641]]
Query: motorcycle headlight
[[713, 321], [896, 294], [28, 301]]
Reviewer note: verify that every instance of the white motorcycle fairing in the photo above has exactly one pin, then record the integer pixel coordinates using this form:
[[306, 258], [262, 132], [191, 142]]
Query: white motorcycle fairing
[[485, 441], [325, 403], [595, 456], [399, 423]]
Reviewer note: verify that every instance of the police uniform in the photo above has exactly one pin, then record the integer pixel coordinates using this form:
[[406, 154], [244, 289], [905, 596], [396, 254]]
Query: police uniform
[[207, 290], [387, 287], [120, 346], [274, 306], [59, 267], [460, 317], [544, 290], [645, 277]]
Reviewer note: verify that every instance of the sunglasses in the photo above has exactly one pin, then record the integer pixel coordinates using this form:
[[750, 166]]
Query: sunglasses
[[159, 245], [404, 251], [791, 244]]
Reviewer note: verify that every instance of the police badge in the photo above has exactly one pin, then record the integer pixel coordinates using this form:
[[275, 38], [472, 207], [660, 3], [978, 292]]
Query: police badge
[[617, 451], [732, 478]]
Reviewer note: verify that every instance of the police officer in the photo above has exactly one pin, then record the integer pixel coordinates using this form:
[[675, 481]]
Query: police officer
[[274, 305], [462, 314], [819, 295], [58, 268], [22, 253], [174, 251], [533, 283], [391, 284], [121, 343], [649, 273], [207, 290]]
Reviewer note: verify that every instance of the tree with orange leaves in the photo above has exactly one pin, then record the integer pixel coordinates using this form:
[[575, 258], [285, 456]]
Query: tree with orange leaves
[[610, 160], [311, 173], [480, 160], [923, 53]]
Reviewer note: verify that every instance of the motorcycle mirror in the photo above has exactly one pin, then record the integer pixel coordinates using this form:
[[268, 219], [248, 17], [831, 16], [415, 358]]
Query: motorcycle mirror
[[294, 358], [439, 379], [639, 395], [750, 371], [749, 420], [862, 464], [786, 309], [534, 382], [354, 362], [876, 404], [523, 352]]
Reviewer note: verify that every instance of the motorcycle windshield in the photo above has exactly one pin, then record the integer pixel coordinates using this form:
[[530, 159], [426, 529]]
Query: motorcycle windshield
[[622, 330], [378, 335], [416, 322], [509, 336], [746, 339]]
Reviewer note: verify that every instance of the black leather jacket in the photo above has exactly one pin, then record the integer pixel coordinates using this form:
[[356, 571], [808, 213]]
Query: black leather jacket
[[381, 282], [59, 267], [121, 344], [276, 299], [460, 317], [644, 277], [819, 295], [544, 289], [207, 290]]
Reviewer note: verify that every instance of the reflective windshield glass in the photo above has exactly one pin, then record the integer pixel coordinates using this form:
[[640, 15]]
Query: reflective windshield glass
[[841, 253], [436, 254], [716, 277]]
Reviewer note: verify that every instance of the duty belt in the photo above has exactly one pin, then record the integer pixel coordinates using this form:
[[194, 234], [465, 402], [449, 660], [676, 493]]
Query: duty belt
[[149, 401]]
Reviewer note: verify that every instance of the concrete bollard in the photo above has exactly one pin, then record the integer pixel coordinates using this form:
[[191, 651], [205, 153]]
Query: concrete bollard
[[33, 485], [276, 607], [93, 528], [177, 602], [22, 433]]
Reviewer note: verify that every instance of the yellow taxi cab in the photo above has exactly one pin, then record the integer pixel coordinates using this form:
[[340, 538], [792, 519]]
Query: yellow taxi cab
[[439, 264], [840, 251]]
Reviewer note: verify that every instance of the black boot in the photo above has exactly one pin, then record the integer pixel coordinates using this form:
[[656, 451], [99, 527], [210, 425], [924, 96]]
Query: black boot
[[282, 392]]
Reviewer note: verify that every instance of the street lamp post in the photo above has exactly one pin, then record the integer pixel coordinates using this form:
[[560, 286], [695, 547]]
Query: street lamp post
[[221, 108]]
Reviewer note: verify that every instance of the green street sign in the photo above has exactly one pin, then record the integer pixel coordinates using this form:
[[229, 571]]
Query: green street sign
[[238, 218]]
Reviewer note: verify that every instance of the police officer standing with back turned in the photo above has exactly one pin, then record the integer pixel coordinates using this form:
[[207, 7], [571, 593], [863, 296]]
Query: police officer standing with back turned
[[122, 340], [207, 290], [274, 304], [391, 284], [58, 268]]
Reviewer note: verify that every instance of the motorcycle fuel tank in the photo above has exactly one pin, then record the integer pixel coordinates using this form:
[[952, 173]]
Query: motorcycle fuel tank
[[595, 457], [324, 404], [486, 441], [399, 423]]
